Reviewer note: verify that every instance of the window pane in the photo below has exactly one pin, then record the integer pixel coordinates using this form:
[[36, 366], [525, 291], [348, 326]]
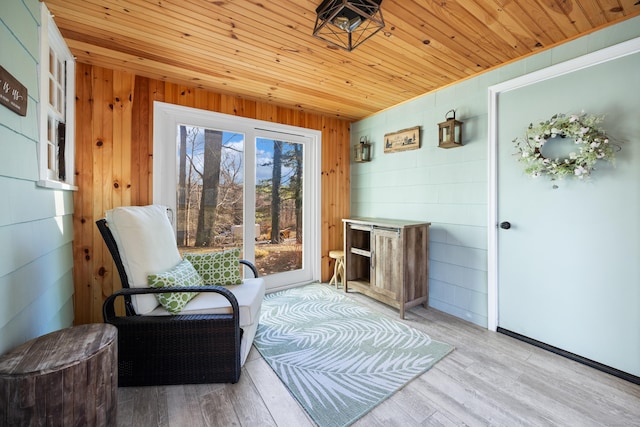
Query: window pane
[[60, 73], [50, 131], [63, 90], [60, 101], [210, 189], [278, 206], [52, 147], [52, 94], [51, 158], [52, 62]]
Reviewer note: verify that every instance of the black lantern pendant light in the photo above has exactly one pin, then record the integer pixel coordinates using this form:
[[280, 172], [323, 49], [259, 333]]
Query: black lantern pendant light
[[348, 23]]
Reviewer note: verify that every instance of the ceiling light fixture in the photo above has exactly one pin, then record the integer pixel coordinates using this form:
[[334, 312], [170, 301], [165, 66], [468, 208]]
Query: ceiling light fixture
[[348, 23]]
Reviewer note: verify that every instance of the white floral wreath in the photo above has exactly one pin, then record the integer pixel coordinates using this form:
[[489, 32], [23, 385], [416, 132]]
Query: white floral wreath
[[591, 145]]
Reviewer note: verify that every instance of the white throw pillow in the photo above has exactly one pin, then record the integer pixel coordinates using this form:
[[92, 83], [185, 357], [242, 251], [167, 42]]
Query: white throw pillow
[[147, 245]]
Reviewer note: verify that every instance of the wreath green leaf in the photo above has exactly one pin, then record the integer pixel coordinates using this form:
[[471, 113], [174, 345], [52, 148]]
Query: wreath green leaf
[[590, 140]]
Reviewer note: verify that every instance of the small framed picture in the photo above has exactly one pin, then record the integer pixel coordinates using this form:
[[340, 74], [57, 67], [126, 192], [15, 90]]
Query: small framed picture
[[402, 140]]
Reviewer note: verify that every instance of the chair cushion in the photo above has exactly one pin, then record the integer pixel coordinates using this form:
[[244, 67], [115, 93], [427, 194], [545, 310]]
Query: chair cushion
[[147, 245], [249, 295], [217, 268], [181, 275]]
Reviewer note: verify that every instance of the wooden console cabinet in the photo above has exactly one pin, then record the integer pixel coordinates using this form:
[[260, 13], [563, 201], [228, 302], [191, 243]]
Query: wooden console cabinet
[[388, 260]]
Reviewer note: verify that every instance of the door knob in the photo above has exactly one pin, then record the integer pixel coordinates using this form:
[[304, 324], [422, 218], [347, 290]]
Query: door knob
[[505, 225]]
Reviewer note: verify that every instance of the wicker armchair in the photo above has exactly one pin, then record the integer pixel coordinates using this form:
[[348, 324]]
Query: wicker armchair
[[187, 348]]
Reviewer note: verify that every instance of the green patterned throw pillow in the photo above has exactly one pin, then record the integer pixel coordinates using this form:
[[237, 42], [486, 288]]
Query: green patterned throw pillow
[[181, 275], [217, 268]]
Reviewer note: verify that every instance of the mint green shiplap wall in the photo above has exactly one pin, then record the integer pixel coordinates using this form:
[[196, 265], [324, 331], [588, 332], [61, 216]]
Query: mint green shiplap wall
[[36, 226], [449, 187]]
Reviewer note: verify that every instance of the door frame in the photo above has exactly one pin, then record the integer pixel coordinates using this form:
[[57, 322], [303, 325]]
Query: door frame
[[588, 60]]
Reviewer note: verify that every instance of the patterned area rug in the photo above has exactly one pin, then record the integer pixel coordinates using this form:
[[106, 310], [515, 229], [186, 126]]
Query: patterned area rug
[[338, 358]]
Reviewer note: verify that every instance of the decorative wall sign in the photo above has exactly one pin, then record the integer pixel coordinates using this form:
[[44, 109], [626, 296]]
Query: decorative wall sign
[[13, 94], [406, 139]]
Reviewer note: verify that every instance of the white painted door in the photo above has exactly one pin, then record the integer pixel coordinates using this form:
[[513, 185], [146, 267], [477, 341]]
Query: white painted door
[[568, 270]]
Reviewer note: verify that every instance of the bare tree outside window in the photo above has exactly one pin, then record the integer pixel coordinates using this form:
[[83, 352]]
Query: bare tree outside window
[[275, 192], [279, 202], [209, 192], [205, 234], [210, 210]]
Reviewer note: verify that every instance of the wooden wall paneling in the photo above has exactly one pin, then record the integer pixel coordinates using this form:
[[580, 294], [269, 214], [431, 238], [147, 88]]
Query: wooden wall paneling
[[122, 149], [115, 155], [201, 99], [266, 112], [158, 94], [93, 145], [336, 192], [83, 250], [341, 145], [169, 95], [327, 176], [103, 176], [127, 86], [343, 204], [186, 96], [248, 108], [325, 215], [315, 122], [121, 105], [140, 133], [118, 142], [214, 101], [230, 105]]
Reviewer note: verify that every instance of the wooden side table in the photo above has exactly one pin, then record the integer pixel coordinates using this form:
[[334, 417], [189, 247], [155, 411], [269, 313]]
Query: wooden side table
[[388, 260], [65, 378]]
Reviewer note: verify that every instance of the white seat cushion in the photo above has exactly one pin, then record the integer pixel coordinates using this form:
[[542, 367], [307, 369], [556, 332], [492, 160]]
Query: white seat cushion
[[249, 295], [147, 245]]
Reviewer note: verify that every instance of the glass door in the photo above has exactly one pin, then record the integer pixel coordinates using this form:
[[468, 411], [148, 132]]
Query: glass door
[[280, 205], [236, 186], [210, 186]]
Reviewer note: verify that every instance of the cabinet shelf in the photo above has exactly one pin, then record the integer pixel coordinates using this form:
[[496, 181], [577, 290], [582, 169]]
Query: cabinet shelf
[[361, 252], [388, 260]]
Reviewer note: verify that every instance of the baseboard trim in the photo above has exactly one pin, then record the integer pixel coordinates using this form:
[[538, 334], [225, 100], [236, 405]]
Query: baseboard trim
[[572, 356]]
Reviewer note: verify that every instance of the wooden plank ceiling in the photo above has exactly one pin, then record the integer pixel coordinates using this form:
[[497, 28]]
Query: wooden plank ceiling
[[263, 49]]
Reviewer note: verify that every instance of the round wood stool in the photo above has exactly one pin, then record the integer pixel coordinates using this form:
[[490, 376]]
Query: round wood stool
[[338, 268], [67, 378]]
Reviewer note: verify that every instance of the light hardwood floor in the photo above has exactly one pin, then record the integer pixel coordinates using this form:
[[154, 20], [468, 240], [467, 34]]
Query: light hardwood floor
[[489, 379]]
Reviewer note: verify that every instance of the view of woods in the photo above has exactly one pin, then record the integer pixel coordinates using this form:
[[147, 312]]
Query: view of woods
[[210, 196]]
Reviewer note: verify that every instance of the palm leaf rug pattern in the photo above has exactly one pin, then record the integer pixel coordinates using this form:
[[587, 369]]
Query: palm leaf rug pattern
[[338, 358]]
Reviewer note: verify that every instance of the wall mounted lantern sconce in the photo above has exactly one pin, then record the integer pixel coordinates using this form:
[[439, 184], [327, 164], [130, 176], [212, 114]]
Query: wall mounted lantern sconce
[[362, 151], [348, 23], [450, 132]]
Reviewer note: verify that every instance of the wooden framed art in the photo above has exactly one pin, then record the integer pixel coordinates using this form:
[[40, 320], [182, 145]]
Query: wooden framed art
[[402, 140]]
